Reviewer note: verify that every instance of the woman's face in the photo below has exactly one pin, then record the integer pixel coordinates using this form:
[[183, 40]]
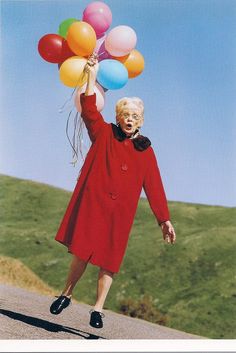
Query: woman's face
[[130, 119]]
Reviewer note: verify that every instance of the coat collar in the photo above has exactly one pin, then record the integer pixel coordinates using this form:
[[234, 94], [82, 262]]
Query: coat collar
[[141, 143]]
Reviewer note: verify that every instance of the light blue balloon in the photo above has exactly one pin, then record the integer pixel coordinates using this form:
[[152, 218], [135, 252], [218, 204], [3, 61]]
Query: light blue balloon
[[112, 74]]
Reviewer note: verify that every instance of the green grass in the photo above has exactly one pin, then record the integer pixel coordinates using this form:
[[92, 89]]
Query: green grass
[[192, 282]]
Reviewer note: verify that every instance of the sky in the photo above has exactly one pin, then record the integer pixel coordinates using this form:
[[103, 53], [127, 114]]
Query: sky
[[188, 87]]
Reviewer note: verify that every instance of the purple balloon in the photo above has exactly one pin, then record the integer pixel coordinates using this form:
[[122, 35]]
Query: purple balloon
[[101, 50]]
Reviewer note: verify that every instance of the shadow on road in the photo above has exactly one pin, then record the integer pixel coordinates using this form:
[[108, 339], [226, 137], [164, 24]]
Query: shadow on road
[[47, 325]]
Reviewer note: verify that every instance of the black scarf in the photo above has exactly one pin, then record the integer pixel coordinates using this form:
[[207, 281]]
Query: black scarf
[[141, 143]]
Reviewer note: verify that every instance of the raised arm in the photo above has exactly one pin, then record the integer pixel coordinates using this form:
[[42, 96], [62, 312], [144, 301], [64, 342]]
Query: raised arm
[[92, 118]]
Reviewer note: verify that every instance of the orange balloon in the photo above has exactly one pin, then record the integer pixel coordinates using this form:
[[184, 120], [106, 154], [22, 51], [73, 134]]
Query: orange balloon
[[81, 38], [134, 62], [71, 71]]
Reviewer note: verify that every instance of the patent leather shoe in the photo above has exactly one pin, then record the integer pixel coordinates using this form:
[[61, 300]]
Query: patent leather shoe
[[59, 304], [96, 319]]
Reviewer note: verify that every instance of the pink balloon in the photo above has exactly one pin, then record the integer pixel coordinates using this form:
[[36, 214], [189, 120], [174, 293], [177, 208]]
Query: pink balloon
[[101, 50], [120, 41], [99, 16], [99, 7], [100, 97]]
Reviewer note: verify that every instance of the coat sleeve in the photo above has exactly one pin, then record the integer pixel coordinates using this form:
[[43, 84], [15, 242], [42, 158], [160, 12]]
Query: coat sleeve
[[154, 189], [93, 120]]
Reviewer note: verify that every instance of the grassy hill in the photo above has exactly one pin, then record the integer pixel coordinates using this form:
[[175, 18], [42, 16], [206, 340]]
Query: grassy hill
[[192, 282]]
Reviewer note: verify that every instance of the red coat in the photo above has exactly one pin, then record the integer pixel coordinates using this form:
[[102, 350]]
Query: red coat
[[100, 214]]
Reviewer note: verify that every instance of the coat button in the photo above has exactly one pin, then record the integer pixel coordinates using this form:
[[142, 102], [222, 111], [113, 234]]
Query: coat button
[[113, 195], [126, 143], [124, 166]]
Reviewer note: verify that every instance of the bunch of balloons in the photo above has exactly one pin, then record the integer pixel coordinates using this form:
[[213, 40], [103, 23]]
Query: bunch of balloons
[[78, 39]]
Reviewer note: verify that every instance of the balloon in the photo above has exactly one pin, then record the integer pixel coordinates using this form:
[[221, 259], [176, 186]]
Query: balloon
[[112, 74], [101, 50], [65, 52], [120, 40], [81, 38], [99, 16], [71, 71], [98, 22], [50, 47], [134, 62], [99, 42], [100, 95], [63, 27]]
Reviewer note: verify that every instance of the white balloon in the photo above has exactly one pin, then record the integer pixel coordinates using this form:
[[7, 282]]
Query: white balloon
[[100, 97]]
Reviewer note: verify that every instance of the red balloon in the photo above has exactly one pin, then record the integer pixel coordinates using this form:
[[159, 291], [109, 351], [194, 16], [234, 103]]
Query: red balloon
[[54, 48], [66, 52]]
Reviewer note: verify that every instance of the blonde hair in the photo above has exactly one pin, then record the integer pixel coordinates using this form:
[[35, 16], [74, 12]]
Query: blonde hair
[[123, 102]]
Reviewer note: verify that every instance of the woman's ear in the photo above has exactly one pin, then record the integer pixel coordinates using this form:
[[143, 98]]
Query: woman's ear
[[141, 122]]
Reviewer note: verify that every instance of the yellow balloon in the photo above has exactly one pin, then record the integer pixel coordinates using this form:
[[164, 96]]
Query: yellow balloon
[[71, 71], [134, 62], [81, 38]]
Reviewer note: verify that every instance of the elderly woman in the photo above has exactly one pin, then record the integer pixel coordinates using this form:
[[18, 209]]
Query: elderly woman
[[100, 214]]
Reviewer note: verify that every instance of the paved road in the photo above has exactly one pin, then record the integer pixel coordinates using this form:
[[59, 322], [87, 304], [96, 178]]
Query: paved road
[[25, 315]]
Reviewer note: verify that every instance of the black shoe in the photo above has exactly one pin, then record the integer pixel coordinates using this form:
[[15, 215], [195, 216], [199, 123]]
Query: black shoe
[[58, 305], [96, 319]]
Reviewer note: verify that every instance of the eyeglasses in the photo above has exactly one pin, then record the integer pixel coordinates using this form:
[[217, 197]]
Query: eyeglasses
[[134, 116]]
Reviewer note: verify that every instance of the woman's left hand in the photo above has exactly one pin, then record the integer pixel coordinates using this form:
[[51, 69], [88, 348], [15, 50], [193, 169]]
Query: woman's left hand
[[168, 232]]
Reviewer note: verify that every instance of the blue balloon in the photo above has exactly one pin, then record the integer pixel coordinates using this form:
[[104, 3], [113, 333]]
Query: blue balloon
[[112, 74]]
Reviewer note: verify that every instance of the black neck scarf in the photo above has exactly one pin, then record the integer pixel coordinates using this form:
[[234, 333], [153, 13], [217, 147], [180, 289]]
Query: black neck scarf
[[141, 143]]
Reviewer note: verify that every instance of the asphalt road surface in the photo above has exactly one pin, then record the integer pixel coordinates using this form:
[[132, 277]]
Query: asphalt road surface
[[25, 315]]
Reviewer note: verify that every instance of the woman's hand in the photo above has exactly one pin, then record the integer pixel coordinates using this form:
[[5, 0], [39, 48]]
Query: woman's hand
[[91, 69], [92, 66], [168, 232]]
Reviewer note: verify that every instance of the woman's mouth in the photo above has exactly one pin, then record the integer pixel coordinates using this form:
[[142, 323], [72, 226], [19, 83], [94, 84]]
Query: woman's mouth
[[129, 126]]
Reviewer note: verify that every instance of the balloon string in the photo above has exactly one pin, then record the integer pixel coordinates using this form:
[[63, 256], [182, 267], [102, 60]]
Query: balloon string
[[77, 139], [74, 136], [101, 53], [67, 134], [61, 110]]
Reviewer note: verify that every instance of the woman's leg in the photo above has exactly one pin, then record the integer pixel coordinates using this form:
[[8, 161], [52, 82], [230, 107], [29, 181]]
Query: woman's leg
[[103, 285], [76, 271]]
